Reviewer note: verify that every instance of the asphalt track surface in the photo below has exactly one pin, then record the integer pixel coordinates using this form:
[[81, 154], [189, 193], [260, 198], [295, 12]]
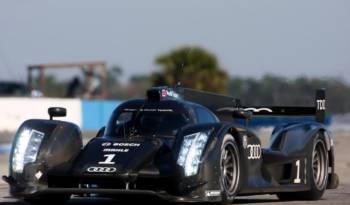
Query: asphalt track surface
[[337, 196]]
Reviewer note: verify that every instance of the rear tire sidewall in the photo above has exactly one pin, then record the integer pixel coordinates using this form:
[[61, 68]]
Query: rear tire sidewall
[[227, 197], [315, 192]]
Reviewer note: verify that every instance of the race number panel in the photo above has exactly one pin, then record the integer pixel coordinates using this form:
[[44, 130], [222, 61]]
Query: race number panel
[[299, 171]]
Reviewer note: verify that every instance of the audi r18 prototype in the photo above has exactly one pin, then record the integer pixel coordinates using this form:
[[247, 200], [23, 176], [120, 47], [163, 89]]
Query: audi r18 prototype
[[177, 144]]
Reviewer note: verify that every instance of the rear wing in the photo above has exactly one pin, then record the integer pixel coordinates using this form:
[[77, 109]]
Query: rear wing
[[225, 107], [318, 110]]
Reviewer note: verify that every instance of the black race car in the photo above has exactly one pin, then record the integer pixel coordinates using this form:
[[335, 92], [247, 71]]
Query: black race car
[[177, 144]]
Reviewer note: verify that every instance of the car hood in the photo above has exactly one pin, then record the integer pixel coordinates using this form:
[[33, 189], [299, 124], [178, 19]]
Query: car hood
[[116, 157]]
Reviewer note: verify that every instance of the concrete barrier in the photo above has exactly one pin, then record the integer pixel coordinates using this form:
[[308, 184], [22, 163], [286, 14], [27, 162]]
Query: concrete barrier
[[87, 114], [13, 111]]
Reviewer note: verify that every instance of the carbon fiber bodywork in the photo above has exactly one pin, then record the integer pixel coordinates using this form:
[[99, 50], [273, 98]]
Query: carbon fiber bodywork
[[147, 164]]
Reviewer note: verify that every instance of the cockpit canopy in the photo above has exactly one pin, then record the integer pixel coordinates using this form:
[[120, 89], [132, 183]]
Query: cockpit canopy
[[156, 118]]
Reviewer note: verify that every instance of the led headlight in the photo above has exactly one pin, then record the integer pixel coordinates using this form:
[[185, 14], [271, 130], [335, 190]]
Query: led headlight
[[191, 152], [26, 149]]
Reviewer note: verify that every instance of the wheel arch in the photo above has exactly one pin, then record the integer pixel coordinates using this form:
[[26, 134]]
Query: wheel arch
[[210, 168], [233, 130]]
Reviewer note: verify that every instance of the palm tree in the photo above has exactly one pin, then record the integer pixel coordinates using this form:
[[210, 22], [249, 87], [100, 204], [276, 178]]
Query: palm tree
[[192, 67]]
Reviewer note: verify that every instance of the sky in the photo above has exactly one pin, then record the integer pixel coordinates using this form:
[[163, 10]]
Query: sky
[[250, 38]]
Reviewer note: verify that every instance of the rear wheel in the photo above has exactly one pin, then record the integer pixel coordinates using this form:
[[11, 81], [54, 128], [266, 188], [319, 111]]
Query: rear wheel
[[319, 169], [230, 169]]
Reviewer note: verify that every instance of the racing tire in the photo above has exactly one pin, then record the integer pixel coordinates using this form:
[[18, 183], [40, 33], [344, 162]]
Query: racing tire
[[229, 169], [48, 199], [319, 168]]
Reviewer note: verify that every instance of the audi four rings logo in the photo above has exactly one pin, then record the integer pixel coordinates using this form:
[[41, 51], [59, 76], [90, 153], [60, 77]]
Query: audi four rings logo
[[254, 151], [101, 169]]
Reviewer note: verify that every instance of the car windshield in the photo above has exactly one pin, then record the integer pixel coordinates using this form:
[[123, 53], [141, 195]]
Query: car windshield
[[140, 123]]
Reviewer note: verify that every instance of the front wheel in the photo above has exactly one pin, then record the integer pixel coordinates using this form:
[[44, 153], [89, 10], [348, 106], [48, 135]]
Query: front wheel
[[319, 170], [230, 169]]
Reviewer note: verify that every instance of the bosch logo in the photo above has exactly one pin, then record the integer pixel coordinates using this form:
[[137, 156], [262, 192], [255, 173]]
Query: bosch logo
[[101, 169], [106, 144], [254, 151]]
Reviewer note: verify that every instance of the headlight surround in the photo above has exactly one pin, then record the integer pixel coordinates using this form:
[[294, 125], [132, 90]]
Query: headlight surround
[[191, 152], [26, 148]]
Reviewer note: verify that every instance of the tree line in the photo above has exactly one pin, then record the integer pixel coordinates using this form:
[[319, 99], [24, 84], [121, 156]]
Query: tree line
[[300, 91], [198, 68]]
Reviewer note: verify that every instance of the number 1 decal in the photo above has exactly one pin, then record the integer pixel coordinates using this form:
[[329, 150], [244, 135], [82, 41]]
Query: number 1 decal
[[297, 179], [108, 160]]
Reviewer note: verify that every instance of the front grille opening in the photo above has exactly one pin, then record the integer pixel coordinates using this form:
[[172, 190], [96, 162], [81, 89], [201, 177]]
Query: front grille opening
[[78, 182], [152, 184]]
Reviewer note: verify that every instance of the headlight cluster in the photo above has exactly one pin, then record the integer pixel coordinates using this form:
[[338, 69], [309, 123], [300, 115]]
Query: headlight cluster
[[26, 149], [191, 152]]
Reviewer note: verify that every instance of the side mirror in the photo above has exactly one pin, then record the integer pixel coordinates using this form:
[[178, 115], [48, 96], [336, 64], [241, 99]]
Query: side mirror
[[57, 112], [242, 114], [101, 132]]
